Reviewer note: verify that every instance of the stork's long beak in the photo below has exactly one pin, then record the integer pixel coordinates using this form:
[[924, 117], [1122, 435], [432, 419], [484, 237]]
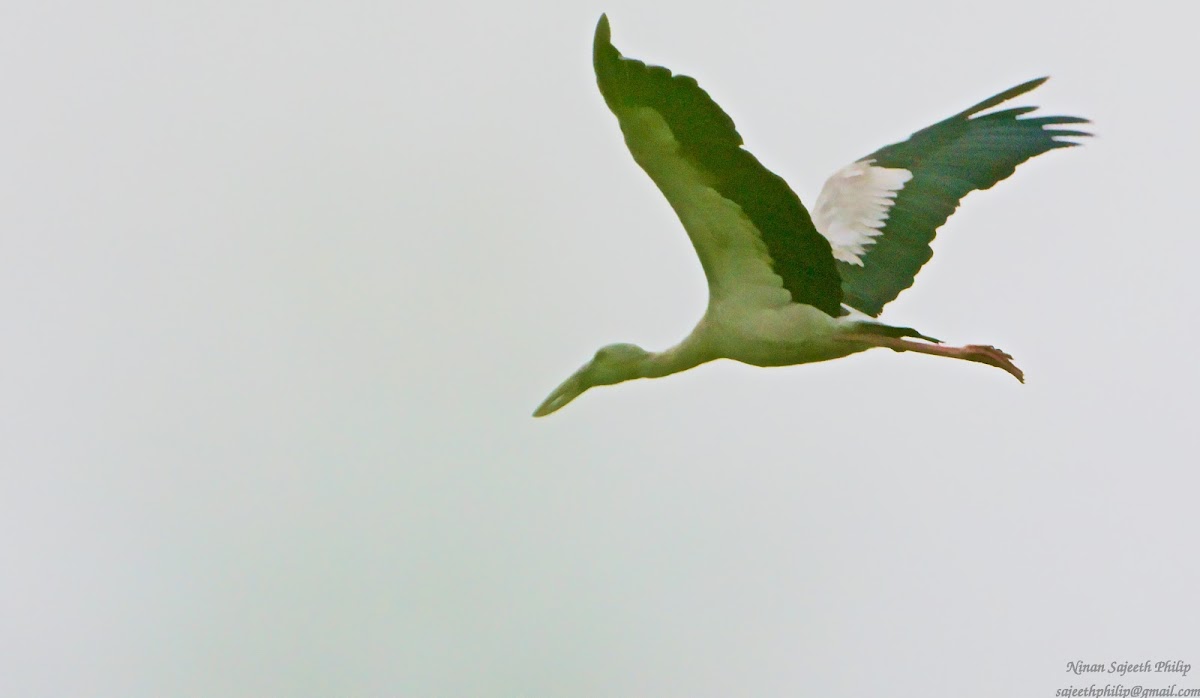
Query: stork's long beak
[[570, 389]]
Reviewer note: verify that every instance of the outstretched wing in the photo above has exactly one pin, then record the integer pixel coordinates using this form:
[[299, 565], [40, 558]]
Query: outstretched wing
[[753, 236], [881, 212]]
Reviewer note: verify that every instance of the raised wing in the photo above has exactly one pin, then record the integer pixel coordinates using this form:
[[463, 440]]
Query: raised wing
[[753, 236], [882, 211]]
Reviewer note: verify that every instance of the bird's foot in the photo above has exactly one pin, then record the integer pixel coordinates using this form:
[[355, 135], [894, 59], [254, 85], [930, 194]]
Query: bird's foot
[[992, 356]]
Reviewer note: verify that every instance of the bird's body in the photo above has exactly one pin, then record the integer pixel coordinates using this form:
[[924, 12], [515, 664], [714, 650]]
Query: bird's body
[[785, 287], [782, 336]]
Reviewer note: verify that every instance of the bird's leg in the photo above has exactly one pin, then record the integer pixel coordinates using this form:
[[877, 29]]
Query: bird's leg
[[972, 352]]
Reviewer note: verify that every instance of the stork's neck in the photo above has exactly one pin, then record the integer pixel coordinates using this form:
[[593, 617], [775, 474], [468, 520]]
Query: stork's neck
[[687, 354]]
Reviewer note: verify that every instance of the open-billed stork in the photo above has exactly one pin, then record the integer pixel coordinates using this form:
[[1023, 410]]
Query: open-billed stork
[[787, 287]]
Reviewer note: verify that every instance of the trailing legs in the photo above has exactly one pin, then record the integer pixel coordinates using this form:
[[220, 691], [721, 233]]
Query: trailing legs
[[972, 352]]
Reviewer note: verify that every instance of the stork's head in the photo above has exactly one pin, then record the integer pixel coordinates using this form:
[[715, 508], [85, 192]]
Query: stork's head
[[614, 363]]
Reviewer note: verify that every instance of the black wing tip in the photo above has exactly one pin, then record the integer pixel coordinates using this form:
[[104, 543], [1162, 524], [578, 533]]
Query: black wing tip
[[1063, 136], [606, 59], [1061, 120], [1027, 86], [1002, 97], [1046, 122], [1051, 125], [603, 38]]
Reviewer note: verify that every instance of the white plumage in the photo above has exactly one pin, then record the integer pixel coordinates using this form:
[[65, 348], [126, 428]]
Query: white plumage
[[853, 206]]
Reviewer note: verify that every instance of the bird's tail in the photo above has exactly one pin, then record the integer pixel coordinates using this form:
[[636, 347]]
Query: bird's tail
[[881, 330]]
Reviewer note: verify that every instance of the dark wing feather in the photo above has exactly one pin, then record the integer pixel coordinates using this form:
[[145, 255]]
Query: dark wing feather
[[967, 152], [708, 140]]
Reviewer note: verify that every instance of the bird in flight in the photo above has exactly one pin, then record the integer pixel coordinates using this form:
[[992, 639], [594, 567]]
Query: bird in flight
[[787, 286]]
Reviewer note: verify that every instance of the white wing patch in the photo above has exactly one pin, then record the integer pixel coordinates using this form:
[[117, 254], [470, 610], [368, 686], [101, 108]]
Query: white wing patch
[[854, 205]]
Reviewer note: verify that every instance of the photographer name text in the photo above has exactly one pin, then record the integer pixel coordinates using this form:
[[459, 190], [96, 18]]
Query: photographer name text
[[1122, 668]]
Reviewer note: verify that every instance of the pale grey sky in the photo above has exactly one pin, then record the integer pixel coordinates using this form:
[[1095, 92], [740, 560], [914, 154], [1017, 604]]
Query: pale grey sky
[[281, 286]]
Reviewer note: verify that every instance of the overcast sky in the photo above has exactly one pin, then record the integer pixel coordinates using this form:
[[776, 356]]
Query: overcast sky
[[281, 284]]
